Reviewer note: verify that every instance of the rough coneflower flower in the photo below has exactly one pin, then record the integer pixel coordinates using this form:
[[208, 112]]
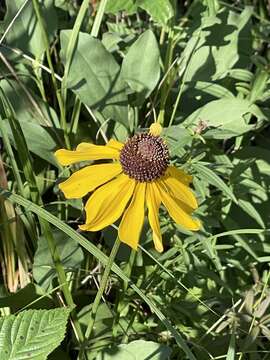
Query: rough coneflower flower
[[139, 175]]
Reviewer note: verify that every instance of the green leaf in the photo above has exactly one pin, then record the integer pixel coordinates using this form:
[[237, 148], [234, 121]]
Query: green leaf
[[231, 349], [32, 334], [212, 89], [240, 74], [214, 179], [247, 206], [114, 6], [226, 115], [177, 137], [103, 321], [30, 294], [39, 139], [160, 10], [142, 72], [70, 253], [137, 350], [25, 33], [94, 76], [219, 44]]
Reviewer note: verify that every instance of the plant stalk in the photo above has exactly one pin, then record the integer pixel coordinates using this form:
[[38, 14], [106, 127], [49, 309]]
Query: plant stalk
[[101, 289]]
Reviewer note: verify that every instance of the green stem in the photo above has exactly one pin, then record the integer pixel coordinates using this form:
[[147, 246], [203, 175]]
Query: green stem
[[183, 82], [49, 59], [101, 289], [164, 87], [71, 48], [98, 18], [120, 301]]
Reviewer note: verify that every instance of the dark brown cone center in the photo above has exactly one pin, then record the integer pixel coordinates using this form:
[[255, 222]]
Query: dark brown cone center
[[144, 157]]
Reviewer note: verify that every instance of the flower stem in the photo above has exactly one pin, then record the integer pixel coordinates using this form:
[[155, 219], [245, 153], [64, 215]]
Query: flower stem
[[101, 289], [98, 18], [165, 84]]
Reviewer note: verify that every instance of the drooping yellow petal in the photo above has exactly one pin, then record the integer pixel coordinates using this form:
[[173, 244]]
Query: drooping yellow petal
[[88, 179], [179, 174], [179, 190], [176, 211], [86, 151], [132, 220], [107, 203], [153, 204]]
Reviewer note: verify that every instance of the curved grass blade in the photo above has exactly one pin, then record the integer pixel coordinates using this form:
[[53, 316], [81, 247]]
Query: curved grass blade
[[42, 213]]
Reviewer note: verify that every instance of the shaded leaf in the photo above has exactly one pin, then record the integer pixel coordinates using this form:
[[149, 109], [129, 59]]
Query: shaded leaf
[[219, 44], [26, 33], [212, 178], [142, 72], [160, 10], [225, 115], [94, 76], [114, 6], [137, 350], [70, 253]]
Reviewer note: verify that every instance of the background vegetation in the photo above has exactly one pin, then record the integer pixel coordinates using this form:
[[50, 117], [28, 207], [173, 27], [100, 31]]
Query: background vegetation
[[73, 71]]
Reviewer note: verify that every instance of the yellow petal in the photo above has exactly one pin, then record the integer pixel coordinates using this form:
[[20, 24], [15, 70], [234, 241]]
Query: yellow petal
[[179, 174], [176, 211], [115, 144], [153, 204], [155, 129], [89, 178], [86, 151], [179, 190], [107, 203], [132, 220]]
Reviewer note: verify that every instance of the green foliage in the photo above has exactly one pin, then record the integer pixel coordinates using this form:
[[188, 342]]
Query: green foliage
[[161, 10], [137, 350], [25, 33], [142, 73], [32, 334], [94, 76], [70, 254], [77, 71]]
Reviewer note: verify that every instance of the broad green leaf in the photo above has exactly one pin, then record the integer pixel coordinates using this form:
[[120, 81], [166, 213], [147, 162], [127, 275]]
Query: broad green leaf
[[160, 10], [218, 45], [31, 295], [225, 115], [94, 76], [25, 33], [142, 72], [114, 6], [38, 121], [103, 321], [214, 179], [177, 137], [212, 89], [40, 140], [32, 334], [70, 253], [137, 350], [28, 106]]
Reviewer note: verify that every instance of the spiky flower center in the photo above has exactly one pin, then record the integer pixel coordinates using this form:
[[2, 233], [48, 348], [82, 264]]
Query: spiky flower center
[[144, 157]]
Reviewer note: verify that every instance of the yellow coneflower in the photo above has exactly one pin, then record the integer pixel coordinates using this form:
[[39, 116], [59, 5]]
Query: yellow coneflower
[[140, 175]]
